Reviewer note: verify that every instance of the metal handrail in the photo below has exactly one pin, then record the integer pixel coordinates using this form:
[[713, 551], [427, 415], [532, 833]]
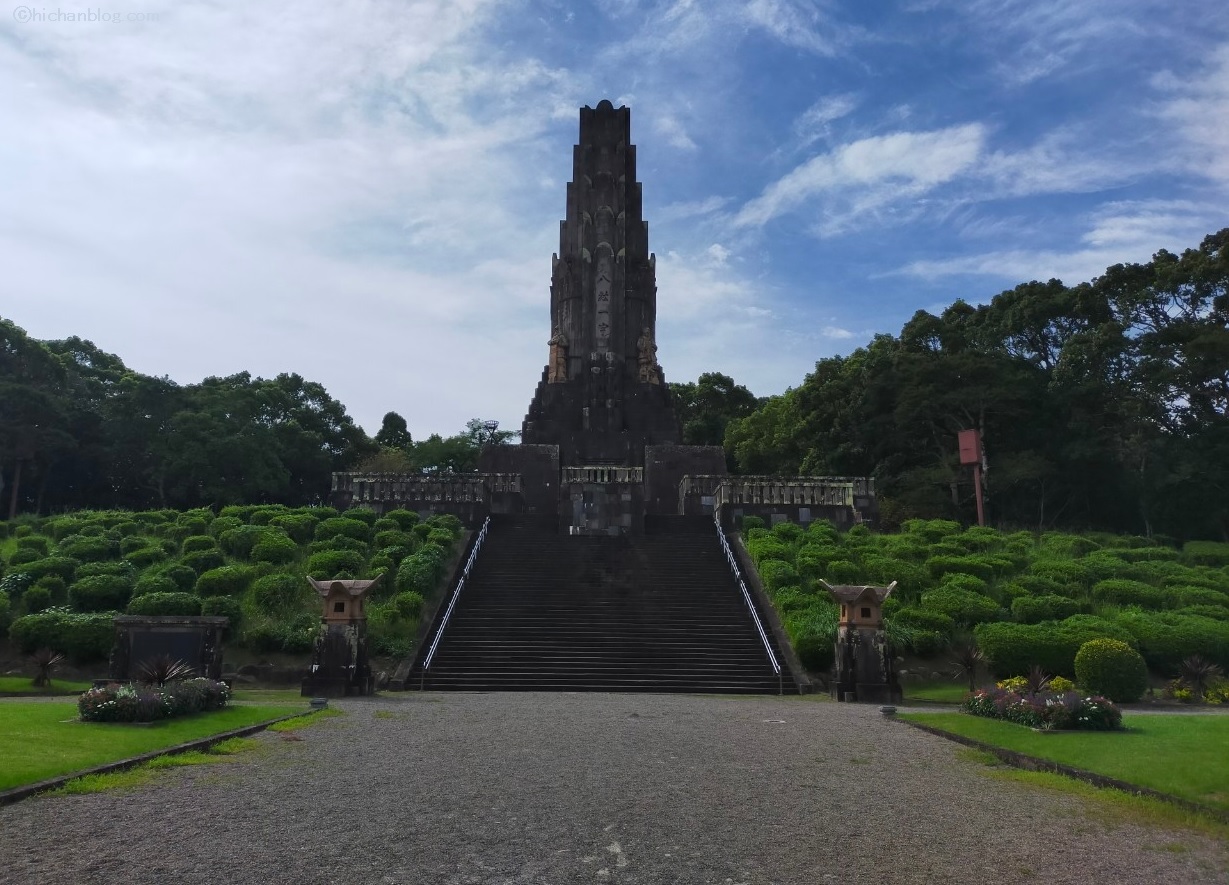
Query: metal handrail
[[742, 585], [439, 633]]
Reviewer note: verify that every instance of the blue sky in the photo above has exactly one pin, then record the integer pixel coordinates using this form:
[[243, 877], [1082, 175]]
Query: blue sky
[[368, 193]]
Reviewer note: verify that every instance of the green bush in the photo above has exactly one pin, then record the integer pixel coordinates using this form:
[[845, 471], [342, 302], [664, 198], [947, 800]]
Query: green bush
[[1213, 553], [776, 574], [35, 543], [443, 538], [349, 528], [1188, 596], [277, 549], [812, 560], [420, 572], [931, 530], [365, 515], [1013, 648], [1166, 638], [83, 637], [789, 532], [62, 566], [964, 607], [335, 563], [1101, 565], [6, 608], [182, 574], [203, 560], [765, 547], [299, 526], [1120, 591], [183, 604], [968, 583], [35, 600], [143, 557], [265, 513], [279, 594], [978, 566], [21, 557], [812, 632], [1215, 612], [56, 587], [61, 527], [1061, 571], [100, 593], [1111, 668], [791, 598], [226, 607], [242, 541], [842, 571], [227, 580], [408, 604], [405, 519], [89, 549], [90, 569], [1035, 609], [197, 543], [1039, 585], [148, 583]]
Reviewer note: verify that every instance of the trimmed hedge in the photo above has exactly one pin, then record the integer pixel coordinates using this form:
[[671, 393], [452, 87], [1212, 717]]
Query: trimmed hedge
[[278, 593], [229, 580], [335, 563], [1111, 668], [964, 607], [100, 593], [83, 637], [1012, 649], [186, 604], [340, 525]]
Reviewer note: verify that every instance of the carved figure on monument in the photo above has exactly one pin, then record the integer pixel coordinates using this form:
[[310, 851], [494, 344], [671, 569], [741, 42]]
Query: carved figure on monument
[[558, 371], [650, 372]]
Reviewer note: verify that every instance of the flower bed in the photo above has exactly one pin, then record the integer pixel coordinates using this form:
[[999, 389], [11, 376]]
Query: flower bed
[[148, 703], [1045, 710]]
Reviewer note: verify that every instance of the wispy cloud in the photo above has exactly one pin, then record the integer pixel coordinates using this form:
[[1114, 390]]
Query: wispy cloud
[[869, 173], [1199, 108]]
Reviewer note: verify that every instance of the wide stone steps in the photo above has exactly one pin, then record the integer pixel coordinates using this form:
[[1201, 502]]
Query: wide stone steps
[[544, 611]]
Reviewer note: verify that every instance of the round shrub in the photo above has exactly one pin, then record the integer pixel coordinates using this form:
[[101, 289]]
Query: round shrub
[[203, 560], [89, 549], [420, 572], [812, 632], [242, 541], [1071, 546], [21, 557], [143, 557], [405, 519], [90, 569], [156, 584], [36, 599], [62, 566], [36, 543], [349, 528], [813, 559], [978, 566], [1035, 609], [1213, 553], [1166, 638], [197, 543], [789, 532], [1111, 668], [279, 593], [334, 563], [365, 515], [931, 530], [442, 538], [766, 547], [1150, 554], [64, 526], [961, 581], [1038, 585], [919, 618], [227, 580], [1061, 571], [980, 539], [265, 513], [182, 604], [963, 606], [394, 538], [1188, 596], [100, 593], [776, 574], [408, 604], [226, 607], [277, 549], [340, 542], [1123, 592], [299, 526], [241, 512], [56, 586], [1102, 565], [842, 571]]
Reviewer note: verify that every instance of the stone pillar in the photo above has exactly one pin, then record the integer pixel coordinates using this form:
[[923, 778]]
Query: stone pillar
[[863, 669]]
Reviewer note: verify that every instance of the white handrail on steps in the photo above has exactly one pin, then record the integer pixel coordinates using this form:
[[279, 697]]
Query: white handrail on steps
[[742, 585], [469, 564]]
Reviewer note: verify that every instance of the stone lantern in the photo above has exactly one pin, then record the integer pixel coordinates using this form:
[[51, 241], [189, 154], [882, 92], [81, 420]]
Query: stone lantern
[[863, 668], [340, 665]]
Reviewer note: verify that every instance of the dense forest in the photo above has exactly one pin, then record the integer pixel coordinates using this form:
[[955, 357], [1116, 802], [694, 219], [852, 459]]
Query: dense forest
[[1103, 405]]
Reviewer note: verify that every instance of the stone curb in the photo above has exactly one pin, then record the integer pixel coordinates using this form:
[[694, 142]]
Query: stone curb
[[16, 794], [1033, 763]]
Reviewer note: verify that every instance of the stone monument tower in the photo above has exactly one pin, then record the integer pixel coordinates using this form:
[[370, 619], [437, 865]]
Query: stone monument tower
[[602, 397]]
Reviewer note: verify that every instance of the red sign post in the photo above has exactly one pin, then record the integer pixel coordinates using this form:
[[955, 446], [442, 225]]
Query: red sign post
[[970, 453]]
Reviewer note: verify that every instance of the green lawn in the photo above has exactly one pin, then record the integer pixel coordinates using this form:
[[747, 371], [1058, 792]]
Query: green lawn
[[23, 685], [945, 691], [1183, 755], [44, 739]]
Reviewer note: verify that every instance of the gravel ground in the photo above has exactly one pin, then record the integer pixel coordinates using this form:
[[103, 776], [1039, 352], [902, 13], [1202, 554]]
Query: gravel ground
[[589, 788]]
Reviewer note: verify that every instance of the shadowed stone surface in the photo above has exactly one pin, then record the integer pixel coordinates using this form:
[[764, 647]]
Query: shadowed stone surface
[[561, 788]]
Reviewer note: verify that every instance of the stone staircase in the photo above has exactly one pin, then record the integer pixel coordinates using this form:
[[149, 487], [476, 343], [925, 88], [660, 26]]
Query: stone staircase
[[654, 613]]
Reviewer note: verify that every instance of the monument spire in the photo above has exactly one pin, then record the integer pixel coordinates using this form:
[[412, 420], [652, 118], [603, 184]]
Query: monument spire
[[602, 396]]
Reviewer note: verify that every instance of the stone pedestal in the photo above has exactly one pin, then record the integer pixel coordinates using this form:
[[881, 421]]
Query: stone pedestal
[[863, 669], [340, 665]]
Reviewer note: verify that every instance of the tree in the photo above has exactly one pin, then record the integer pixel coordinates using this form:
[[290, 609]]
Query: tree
[[394, 434]]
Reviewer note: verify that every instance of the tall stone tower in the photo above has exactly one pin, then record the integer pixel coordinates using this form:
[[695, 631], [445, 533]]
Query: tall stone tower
[[602, 397]]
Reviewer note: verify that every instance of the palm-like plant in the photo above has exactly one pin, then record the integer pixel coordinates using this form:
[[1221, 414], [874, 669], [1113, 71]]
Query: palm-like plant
[[965, 658], [45, 660], [1038, 680], [161, 669], [1197, 671]]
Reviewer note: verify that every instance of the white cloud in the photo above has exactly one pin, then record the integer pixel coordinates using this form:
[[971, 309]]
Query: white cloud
[[870, 173], [837, 332], [1199, 108], [690, 209], [812, 123], [673, 132]]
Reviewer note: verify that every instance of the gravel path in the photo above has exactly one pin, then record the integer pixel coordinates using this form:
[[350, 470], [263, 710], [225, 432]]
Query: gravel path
[[587, 788]]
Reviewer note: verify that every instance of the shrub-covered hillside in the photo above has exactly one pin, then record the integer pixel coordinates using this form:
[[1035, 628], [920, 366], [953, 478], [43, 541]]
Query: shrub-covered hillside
[[1026, 599], [64, 577]]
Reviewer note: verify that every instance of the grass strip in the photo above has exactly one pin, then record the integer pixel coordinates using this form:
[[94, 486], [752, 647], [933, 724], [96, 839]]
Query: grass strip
[[24, 685], [1175, 756], [44, 740], [935, 691]]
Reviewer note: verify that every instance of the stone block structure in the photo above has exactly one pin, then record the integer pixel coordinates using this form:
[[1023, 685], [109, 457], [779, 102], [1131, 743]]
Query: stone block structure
[[197, 641], [864, 669], [601, 445], [340, 663]]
